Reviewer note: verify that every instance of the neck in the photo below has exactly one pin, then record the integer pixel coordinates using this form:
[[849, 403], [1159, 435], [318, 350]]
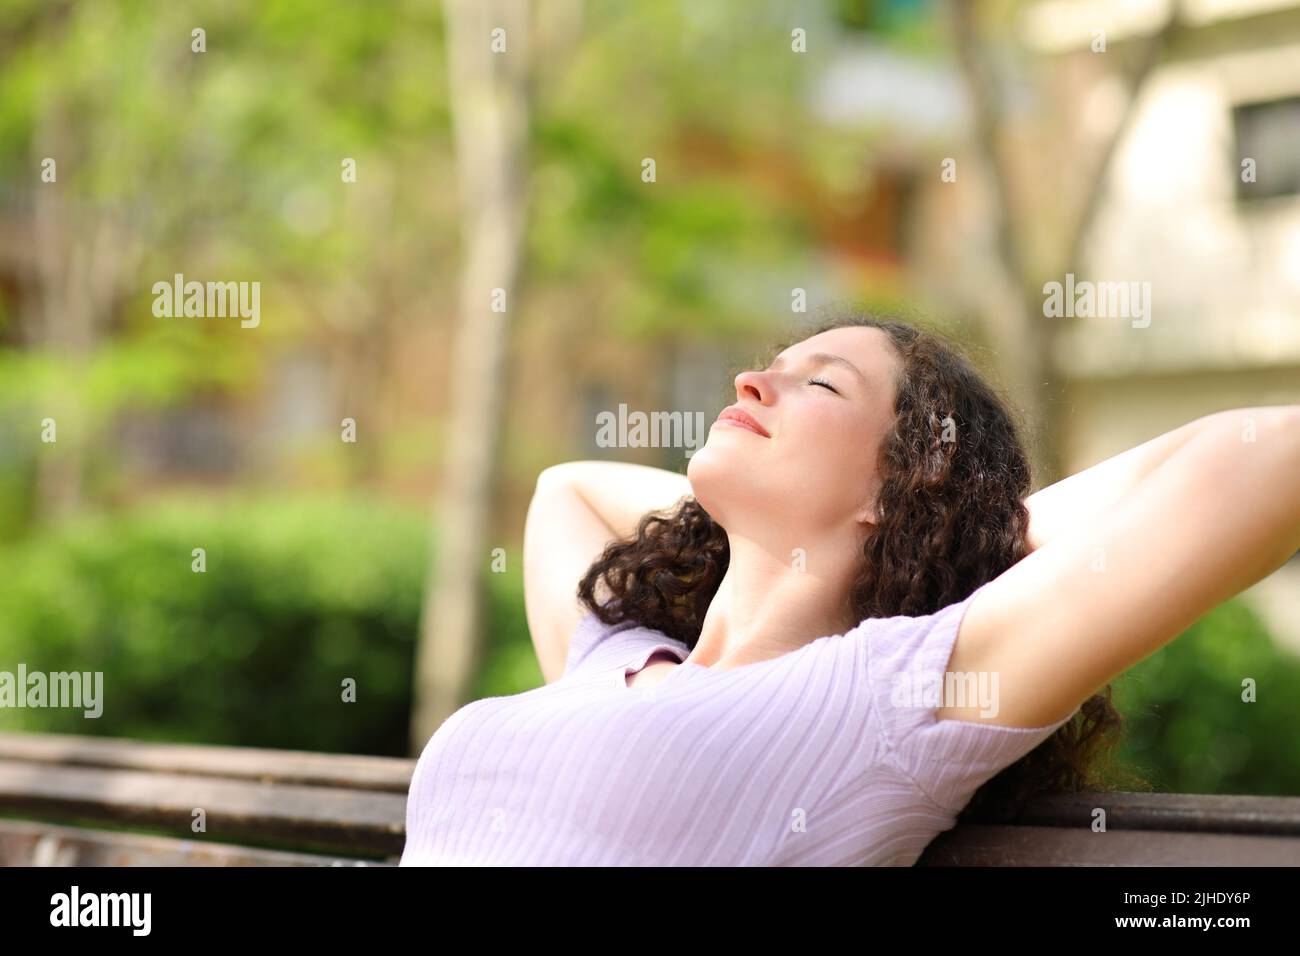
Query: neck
[[770, 603]]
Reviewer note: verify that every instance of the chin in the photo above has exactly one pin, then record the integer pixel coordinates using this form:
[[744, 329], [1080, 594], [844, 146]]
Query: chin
[[721, 480], [709, 472], [708, 464]]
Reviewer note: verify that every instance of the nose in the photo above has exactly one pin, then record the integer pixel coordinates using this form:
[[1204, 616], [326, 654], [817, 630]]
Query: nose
[[754, 384]]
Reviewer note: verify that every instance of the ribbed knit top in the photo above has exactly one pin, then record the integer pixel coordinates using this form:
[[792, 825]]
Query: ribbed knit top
[[830, 755]]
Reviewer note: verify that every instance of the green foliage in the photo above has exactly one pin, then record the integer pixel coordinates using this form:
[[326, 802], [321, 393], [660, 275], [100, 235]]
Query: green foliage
[[297, 596], [222, 165], [906, 24], [1189, 730], [152, 370], [510, 661]]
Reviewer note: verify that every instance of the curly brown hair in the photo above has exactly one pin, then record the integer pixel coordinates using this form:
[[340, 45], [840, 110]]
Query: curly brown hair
[[951, 517]]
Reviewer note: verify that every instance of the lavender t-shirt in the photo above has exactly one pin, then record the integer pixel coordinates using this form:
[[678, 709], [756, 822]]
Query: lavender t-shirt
[[829, 755]]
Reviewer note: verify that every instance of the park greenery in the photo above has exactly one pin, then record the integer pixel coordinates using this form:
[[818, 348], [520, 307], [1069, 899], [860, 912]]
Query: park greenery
[[226, 164]]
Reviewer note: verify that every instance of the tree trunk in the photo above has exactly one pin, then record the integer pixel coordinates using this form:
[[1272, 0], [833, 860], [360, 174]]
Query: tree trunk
[[1022, 336], [82, 254], [489, 105]]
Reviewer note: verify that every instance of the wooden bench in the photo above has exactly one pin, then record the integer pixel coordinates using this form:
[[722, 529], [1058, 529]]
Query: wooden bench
[[1142, 829], [94, 801]]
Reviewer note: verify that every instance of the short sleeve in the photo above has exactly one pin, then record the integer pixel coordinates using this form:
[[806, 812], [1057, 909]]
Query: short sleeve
[[590, 634], [596, 646], [583, 639], [948, 759]]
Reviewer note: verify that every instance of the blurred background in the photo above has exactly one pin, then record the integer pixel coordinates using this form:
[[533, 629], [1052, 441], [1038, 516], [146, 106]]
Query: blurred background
[[477, 227]]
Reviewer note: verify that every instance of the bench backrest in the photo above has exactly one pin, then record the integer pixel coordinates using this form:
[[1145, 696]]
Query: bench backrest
[[252, 805], [1140, 829], [102, 801]]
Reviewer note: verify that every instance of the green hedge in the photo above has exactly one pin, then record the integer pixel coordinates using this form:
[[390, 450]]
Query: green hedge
[[297, 595], [1188, 728]]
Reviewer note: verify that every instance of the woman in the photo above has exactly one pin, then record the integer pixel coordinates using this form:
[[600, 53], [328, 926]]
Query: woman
[[845, 626]]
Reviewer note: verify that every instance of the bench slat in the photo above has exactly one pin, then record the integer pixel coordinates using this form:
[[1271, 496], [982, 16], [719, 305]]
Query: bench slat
[[351, 821], [390, 774], [43, 844], [1193, 812], [985, 845]]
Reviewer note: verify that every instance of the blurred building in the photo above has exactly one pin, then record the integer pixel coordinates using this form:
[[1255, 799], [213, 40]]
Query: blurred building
[[1203, 201]]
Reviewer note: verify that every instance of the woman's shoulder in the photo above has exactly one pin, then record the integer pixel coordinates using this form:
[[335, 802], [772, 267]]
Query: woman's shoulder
[[907, 662], [595, 643]]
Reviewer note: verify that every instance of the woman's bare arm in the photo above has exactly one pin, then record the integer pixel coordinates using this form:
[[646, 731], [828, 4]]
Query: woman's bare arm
[[621, 493], [1075, 501], [1219, 513], [577, 508]]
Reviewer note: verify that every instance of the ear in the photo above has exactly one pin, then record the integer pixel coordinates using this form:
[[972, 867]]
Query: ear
[[867, 515]]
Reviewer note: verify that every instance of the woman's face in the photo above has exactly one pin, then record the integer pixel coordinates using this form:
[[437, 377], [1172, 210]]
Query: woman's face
[[826, 404]]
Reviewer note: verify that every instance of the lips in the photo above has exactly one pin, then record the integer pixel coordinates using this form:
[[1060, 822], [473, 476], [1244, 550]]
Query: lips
[[738, 416]]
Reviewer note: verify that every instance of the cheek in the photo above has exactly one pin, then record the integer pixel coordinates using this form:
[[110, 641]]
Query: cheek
[[837, 434], [842, 454]]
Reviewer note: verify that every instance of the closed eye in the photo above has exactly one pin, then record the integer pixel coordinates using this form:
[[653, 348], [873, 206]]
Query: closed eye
[[822, 382]]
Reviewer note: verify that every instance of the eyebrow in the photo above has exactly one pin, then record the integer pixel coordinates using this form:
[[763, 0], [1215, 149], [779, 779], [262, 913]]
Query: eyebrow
[[826, 358]]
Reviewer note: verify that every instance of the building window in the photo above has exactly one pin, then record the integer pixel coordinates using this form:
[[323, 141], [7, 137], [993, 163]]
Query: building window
[[1268, 133]]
